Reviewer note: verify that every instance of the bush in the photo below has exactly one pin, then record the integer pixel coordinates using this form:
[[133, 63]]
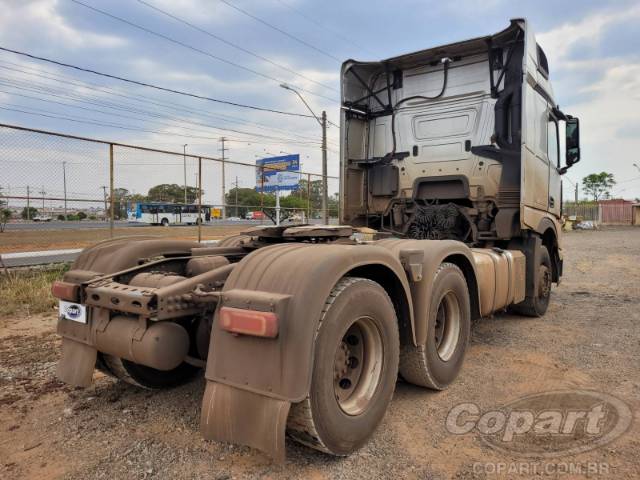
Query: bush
[[60, 217], [5, 216], [29, 213], [82, 215], [29, 291]]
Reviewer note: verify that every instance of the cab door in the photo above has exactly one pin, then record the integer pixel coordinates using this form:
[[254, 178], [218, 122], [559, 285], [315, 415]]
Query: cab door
[[553, 155], [535, 171]]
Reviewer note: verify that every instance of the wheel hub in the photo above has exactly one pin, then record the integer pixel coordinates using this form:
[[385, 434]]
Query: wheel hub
[[357, 366], [544, 285], [447, 326]]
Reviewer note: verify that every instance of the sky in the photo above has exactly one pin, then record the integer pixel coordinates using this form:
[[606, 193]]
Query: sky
[[242, 55]]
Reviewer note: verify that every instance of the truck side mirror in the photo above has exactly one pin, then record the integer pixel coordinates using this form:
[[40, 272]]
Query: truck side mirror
[[572, 144]]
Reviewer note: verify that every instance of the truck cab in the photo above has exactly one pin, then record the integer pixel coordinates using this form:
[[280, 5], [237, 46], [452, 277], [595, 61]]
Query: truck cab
[[461, 141]]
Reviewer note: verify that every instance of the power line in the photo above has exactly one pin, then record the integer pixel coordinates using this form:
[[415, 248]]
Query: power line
[[54, 93], [323, 27], [90, 121], [195, 49], [144, 99], [273, 27], [156, 87], [173, 119], [238, 47]]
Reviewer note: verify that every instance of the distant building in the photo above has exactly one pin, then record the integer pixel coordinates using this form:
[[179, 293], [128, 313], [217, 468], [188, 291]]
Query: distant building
[[616, 211]]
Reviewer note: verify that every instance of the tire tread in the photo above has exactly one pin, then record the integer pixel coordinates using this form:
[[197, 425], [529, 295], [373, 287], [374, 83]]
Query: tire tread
[[300, 423], [413, 359]]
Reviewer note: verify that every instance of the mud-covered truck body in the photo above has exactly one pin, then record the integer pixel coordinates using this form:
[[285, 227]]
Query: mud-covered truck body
[[450, 206]]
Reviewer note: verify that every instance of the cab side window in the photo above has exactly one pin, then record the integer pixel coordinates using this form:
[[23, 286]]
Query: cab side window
[[552, 142]]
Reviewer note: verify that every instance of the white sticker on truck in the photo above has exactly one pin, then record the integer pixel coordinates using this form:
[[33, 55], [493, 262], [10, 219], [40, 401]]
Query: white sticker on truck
[[73, 311]]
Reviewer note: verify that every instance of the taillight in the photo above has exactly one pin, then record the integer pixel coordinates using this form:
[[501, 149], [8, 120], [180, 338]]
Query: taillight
[[66, 291], [249, 322]]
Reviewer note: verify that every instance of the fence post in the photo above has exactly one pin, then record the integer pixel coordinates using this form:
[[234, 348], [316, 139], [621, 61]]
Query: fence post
[[199, 221], [111, 188], [262, 194], [308, 198]]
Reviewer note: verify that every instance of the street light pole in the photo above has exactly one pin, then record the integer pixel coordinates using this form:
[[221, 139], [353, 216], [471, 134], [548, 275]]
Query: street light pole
[[323, 125], [325, 213], [184, 161], [236, 195], [64, 186]]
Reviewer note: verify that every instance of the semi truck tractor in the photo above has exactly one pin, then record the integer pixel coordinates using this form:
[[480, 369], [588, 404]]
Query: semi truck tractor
[[450, 203]]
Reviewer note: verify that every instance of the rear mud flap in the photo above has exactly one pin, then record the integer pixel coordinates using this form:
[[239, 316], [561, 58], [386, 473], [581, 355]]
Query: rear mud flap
[[238, 416], [77, 363]]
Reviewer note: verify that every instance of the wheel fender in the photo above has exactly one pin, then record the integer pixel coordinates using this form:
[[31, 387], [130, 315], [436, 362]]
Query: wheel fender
[[435, 252], [281, 368], [121, 253]]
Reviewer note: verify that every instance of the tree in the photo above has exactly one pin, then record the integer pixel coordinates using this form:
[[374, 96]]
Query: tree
[[248, 200], [5, 216], [598, 184], [29, 213], [172, 193], [82, 215]]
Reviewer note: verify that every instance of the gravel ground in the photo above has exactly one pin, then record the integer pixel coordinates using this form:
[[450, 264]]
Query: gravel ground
[[589, 340]]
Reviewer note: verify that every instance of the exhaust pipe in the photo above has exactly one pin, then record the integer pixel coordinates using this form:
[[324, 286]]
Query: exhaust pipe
[[163, 345]]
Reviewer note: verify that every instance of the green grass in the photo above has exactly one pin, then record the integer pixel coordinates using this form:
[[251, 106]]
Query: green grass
[[28, 291]]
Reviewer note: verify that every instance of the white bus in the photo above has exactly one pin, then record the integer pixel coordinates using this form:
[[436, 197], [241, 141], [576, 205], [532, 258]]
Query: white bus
[[156, 213]]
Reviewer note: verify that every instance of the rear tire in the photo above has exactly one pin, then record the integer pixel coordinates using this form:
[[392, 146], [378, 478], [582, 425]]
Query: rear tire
[[164, 222], [355, 369], [437, 362], [537, 305], [145, 377]]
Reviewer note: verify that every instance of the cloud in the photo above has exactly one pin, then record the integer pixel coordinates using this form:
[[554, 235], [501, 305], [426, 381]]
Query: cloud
[[45, 25], [602, 86], [559, 42]]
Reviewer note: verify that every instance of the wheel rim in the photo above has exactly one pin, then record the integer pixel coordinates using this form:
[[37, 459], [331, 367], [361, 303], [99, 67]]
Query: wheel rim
[[358, 366], [544, 286], [447, 328]]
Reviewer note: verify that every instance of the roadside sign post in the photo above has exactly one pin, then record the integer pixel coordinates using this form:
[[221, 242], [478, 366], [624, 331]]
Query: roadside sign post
[[277, 206], [275, 174]]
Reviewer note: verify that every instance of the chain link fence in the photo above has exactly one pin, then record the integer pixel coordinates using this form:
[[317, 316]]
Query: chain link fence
[[65, 190]]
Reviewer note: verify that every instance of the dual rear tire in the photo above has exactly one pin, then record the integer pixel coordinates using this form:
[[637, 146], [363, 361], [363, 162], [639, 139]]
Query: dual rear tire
[[358, 356]]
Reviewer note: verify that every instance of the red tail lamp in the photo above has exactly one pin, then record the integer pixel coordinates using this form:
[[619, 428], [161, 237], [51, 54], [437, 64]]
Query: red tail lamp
[[249, 322], [65, 291]]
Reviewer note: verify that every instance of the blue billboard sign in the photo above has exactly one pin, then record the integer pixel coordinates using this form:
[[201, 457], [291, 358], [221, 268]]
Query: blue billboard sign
[[278, 173]]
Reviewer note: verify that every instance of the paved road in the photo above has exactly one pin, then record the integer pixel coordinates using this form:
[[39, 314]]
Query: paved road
[[23, 259], [44, 257]]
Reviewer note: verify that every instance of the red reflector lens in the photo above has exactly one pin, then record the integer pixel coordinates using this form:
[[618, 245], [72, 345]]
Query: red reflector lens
[[249, 322], [65, 291]]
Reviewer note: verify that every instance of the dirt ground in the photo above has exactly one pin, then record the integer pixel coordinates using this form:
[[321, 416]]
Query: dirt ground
[[589, 340], [34, 240]]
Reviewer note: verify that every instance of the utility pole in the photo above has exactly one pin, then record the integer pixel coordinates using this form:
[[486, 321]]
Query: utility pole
[[224, 192], [325, 213], [43, 194], [28, 205], [184, 161], [576, 200], [323, 125], [64, 186], [104, 189], [236, 185], [199, 184]]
